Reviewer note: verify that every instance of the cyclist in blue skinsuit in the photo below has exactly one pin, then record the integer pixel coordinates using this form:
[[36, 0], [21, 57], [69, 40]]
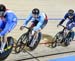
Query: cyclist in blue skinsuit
[[8, 21], [71, 17], [39, 20]]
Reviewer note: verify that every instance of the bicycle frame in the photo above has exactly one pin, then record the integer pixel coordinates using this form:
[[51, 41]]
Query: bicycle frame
[[24, 41], [62, 38], [31, 33], [65, 31]]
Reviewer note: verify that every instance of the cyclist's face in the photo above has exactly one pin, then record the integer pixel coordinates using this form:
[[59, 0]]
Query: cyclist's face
[[35, 16], [1, 13], [70, 17]]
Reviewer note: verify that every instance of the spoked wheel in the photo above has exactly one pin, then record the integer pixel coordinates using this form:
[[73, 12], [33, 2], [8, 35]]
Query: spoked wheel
[[66, 42], [21, 43], [36, 41], [69, 38], [54, 43], [8, 48], [57, 40]]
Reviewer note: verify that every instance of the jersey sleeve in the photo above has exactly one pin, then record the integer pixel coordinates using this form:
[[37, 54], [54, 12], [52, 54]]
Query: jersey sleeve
[[40, 23], [11, 23], [65, 17], [29, 17]]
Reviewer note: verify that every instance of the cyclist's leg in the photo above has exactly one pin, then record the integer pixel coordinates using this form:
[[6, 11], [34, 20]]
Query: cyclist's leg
[[35, 33], [3, 42], [33, 24], [68, 22], [70, 26], [41, 27], [34, 38]]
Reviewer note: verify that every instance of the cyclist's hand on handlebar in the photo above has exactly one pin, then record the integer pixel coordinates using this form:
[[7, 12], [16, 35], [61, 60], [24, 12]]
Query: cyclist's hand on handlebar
[[58, 25], [22, 27]]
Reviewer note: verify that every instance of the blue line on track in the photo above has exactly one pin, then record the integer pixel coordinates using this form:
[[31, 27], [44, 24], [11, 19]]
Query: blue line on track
[[68, 58], [48, 19]]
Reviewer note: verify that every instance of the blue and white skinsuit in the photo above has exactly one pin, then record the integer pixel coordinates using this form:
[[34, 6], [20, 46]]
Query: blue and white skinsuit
[[8, 22], [70, 24], [39, 22]]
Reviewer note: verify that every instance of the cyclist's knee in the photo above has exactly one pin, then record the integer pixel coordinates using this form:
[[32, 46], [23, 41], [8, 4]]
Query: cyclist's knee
[[44, 24]]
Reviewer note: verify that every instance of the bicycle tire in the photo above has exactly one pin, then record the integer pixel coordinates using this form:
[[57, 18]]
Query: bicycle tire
[[55, 39], [67, 42], [7, 50], [54, 43], [20, 45], [36, 43]]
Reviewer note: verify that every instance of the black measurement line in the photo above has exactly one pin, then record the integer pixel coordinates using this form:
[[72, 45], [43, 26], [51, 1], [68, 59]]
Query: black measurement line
[[44, 55], [32, 55]]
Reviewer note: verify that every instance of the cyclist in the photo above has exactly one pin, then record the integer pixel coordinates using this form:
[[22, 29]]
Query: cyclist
[[71, 23], [8, 21], [39, 20]]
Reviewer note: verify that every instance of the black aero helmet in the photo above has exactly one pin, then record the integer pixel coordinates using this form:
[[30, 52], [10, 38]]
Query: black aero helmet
[[35, 11], [2, 7], [71, 12]]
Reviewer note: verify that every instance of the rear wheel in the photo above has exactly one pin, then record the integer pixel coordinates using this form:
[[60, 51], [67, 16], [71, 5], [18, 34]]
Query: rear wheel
[[66, 42], [68, 39], [36, 41], [57, 39]]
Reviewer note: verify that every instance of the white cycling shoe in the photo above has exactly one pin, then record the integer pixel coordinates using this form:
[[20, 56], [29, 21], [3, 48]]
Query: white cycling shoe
[[1, 50]]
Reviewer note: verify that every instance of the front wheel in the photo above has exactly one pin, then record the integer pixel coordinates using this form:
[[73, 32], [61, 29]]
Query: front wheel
[[54, 42], [21, 43], [8, 48]]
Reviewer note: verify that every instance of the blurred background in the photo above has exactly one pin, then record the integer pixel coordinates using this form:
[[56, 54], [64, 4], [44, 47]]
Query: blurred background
[[55, 10]]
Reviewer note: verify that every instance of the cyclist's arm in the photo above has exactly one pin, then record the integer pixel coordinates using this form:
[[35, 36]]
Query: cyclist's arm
[[65, 17], [11, 23], [27, 19], [39, 24]]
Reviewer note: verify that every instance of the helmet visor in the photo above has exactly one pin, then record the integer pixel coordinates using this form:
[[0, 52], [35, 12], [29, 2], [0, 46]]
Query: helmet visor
[[70, 14]]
